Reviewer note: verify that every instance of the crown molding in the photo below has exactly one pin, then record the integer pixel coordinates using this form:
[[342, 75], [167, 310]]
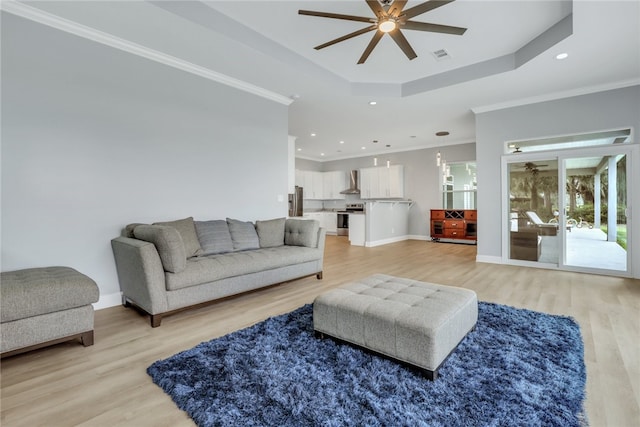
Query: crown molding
[[557, 95], [45, 18]]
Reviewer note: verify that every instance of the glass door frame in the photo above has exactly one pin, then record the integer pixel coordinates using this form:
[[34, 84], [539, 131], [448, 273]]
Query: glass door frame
[[630, 150]]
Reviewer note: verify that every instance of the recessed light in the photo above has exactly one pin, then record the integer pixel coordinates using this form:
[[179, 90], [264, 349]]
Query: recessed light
[[388, 145], [442, 133], [412, 136], [372, 102], [364, 148], [322, 154], [562, 55], [299, 149], [341, 142], [313, 134], [375, 141]]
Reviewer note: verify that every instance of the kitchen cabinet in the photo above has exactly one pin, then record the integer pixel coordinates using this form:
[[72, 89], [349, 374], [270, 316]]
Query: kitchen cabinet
[[382, 182], [454, 224], [327, 220], [321, 185], [334, 182]]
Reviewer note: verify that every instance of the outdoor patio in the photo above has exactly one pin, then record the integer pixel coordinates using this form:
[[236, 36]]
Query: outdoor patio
[[586, 248]]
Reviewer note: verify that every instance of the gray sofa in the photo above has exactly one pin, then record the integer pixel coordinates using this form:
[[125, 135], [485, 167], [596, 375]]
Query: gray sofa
[[169, 266]]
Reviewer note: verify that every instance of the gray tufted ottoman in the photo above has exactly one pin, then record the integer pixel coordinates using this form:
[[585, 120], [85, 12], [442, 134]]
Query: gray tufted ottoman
[[45, 306], [414, 322]]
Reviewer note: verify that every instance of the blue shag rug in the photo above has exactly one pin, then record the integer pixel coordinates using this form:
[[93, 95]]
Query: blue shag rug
[[518, 368]]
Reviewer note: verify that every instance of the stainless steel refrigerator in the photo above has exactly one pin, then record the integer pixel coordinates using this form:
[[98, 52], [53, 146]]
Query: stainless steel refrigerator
[[295, 202]]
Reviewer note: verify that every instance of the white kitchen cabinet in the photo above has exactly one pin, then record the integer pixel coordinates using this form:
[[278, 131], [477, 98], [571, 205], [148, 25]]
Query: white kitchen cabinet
[[330, 222], [334, 183], [382, 182], [321, 185]]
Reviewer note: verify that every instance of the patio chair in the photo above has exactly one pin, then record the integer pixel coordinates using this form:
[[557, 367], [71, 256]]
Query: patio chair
[[546, 229]]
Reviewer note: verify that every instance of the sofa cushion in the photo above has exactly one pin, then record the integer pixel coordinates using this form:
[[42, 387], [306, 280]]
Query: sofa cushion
[[301, 232], [214, 237], [168, 243], [243, 235], [187, 231], [128, 230], [216, 267], [271, 232]]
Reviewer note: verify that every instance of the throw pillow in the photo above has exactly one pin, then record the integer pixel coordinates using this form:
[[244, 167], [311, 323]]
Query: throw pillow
[[243, 235], [214, 237], [188, 233], [168, 244], [271, 232], [301, 232]]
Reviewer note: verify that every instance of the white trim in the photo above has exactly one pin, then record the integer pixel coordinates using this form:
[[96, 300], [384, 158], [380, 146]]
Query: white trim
[[557, 95], [106, 301], [386, 241], [418, 237], [489, 259], [62, 24]]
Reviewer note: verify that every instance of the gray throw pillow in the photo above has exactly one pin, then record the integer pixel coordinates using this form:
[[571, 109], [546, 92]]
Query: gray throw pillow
[[168, 244], [271, 232], [214, 237], [243, 235], [187, 231], [301, 232]]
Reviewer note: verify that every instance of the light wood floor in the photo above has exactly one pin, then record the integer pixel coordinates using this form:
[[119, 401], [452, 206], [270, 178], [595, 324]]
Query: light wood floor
[[106, 384]]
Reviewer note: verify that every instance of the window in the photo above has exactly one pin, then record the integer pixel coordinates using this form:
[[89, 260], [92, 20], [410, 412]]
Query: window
[[459, 186]]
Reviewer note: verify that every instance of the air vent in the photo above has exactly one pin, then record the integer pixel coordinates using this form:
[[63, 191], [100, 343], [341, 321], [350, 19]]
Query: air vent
[[441, 54]]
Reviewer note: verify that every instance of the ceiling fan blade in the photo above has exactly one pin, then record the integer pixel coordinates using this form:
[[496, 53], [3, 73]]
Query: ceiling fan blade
[[336, 16], [372, 44], [424, 7], [396, 7], [346, 37], [402, 42], [377, 8], [433, 28]]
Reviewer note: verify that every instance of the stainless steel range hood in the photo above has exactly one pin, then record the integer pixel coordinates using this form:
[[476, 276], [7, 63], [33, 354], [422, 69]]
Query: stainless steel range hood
[[353, 184]]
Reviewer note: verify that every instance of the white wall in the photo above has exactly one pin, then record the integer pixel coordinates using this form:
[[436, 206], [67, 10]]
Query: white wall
[[608, 110], [94, 138]]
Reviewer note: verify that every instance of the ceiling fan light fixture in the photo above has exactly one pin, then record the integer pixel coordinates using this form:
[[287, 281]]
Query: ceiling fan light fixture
[[387, 25]]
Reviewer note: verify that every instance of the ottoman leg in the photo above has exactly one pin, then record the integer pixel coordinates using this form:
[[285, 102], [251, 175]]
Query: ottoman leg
[[87, 338], [318, 334]]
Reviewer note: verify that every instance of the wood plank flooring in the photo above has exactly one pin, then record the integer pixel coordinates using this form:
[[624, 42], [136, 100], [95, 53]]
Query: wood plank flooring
[[107, 384]]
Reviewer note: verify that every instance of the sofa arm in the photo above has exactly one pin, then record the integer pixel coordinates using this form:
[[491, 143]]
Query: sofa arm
[[140, 274], [322, 233]]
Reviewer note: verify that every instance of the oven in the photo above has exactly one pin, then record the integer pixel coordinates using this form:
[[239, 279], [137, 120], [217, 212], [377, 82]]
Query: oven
[[343, 217]]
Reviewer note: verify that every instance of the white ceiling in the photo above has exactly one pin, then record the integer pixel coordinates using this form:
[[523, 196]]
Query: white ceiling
[[267, 44]]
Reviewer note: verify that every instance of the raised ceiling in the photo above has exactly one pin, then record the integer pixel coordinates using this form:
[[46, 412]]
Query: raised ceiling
[[506, 57]]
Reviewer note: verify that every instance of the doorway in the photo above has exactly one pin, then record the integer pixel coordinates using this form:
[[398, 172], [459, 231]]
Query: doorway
[[568, 209]]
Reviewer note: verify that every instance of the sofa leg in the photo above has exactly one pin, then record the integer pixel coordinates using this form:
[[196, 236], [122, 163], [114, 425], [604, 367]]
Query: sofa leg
[[87, 338], [156, 319], [319, 276]]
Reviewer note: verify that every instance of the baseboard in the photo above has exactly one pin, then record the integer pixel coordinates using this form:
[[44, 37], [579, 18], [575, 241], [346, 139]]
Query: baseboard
[[418, 237], [489, 259], [386, 241], [107, 301]]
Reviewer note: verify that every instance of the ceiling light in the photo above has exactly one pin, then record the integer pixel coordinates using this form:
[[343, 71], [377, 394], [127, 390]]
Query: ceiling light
[[299, 149], [387, 25], [341, 142], [364, 148], [562, 55], [313, 134], [322, 154], [442, 133], [372, 102], [375, 141]]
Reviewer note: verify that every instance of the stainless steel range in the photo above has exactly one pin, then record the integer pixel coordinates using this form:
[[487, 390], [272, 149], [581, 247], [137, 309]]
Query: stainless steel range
[[343, 217]]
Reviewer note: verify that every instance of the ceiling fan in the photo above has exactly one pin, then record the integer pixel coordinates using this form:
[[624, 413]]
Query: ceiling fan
[[390, 18]]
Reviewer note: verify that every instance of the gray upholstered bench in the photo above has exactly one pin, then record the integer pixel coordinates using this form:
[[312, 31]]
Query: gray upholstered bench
[[415, 322], [45, 306]]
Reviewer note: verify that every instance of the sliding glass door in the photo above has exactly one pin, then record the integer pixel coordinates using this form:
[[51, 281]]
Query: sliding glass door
[[569, 210], [533, 211]]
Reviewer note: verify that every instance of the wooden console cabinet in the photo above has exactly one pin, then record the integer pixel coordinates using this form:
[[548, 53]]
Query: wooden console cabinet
[[454, 225]]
